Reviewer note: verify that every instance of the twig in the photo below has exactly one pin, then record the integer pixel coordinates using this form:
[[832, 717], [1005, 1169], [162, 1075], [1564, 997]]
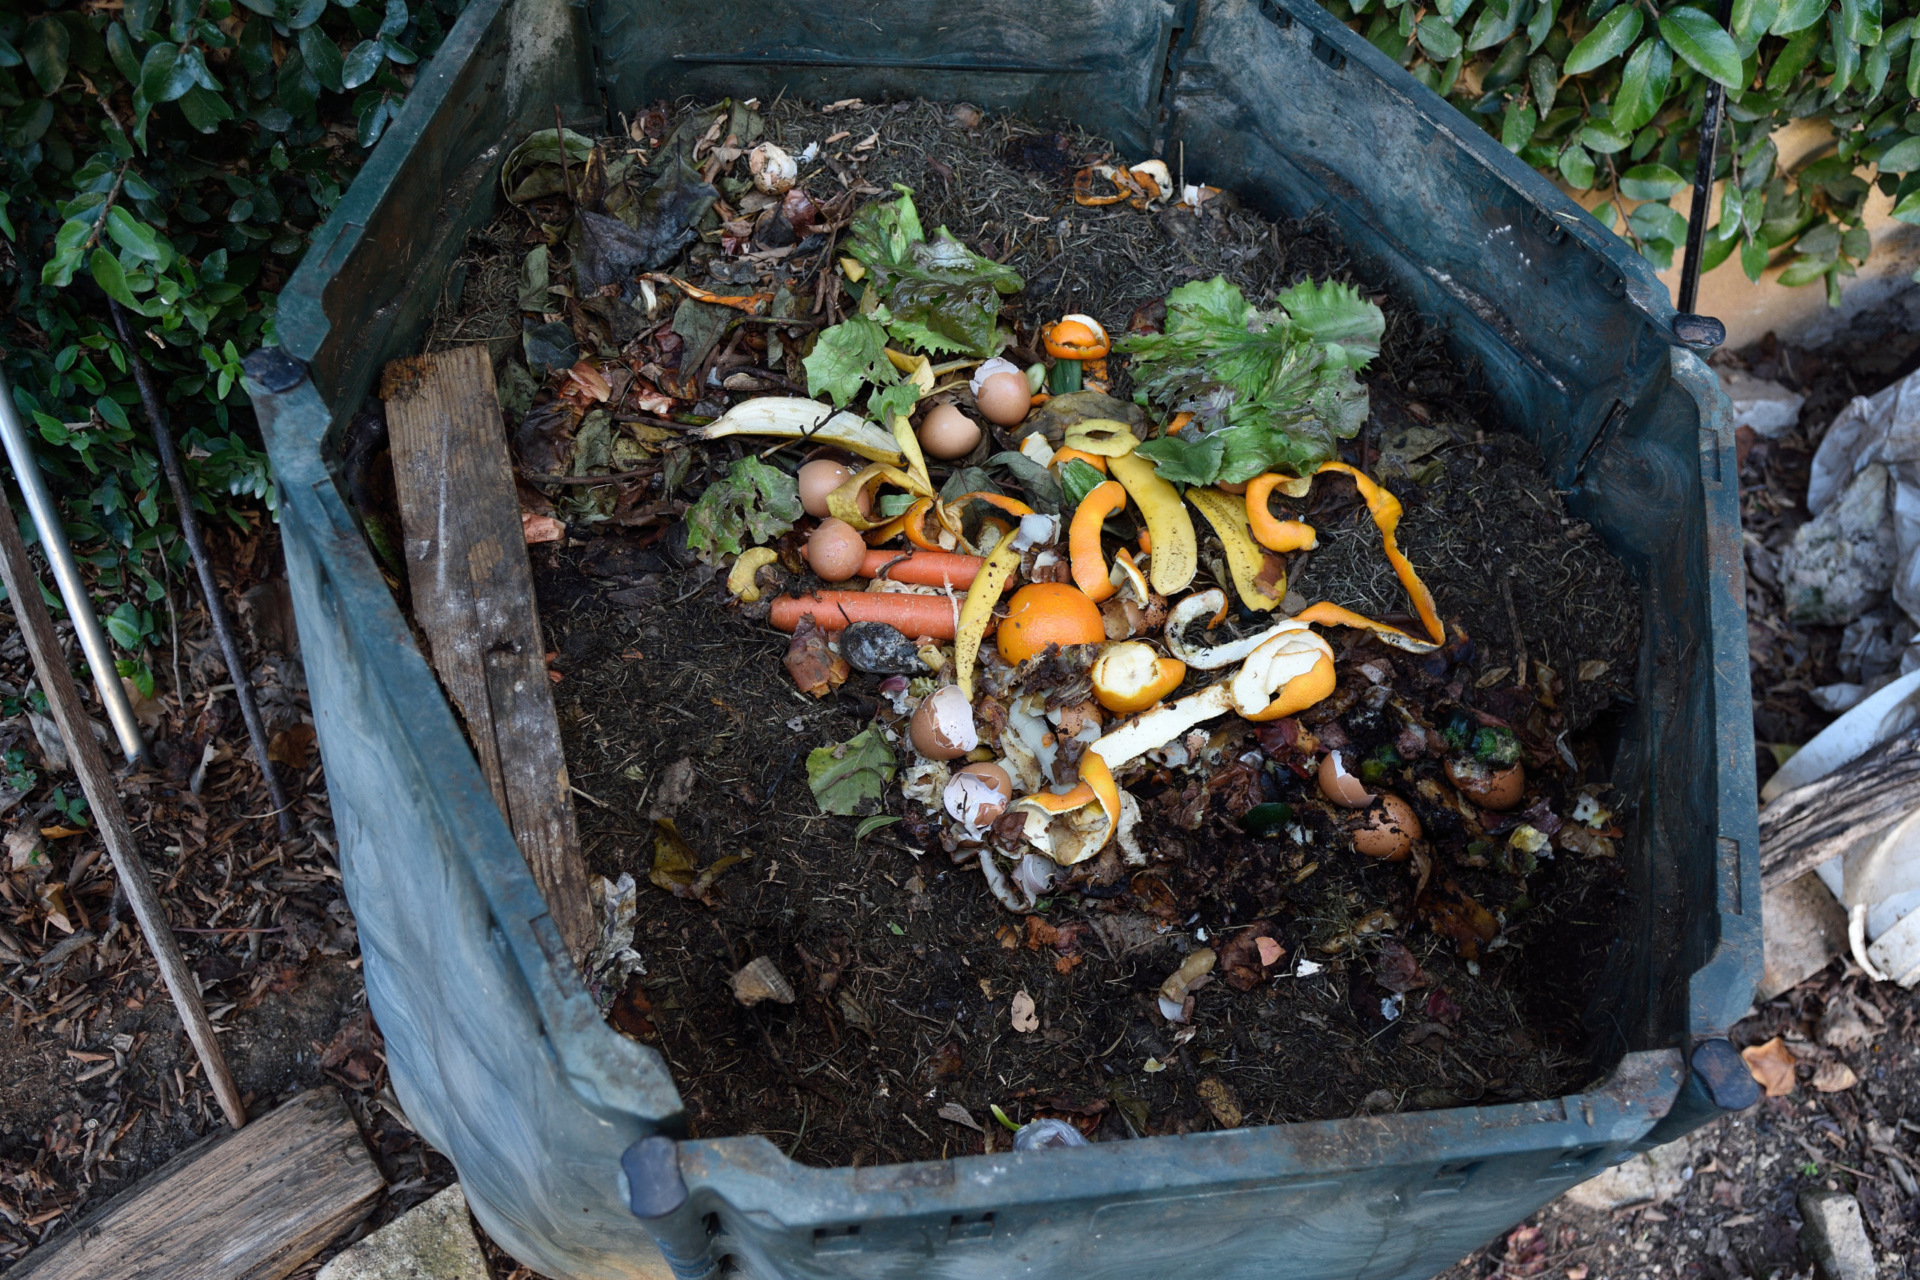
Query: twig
[[560, 136], [617, 476], [100, 223], [216, 608], [1519, 640], [63, 700]]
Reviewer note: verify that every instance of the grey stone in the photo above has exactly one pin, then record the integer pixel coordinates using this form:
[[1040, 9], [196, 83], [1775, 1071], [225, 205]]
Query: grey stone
[[1841, 563], [431, 1241], [1656, 1176], [1836, 1237]]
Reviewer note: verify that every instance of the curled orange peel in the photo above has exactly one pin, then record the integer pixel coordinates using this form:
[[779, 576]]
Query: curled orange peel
[[1061, 457], [1270, 532], [1328, 614], [1063, 826], [916, 525], [1130, 677], [1090, 572], [1299, 693], [1386, 510]]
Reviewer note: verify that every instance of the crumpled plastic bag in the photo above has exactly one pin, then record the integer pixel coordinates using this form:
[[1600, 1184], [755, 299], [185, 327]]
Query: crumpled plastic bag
[[1883, 429]]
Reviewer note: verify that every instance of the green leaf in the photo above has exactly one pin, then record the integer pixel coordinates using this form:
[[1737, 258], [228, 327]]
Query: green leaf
[[1793, 59], [1496, 22], [851, 778], [1543, 75], [1650, 182], [395, 20], [1861, 20], [1517, 125], [137, 238], [1797, 15], [323, 58], [1846, 57], [887, 403], [123, 624], [847, 357], [45, 50], [754, 501], [1598, 135], [1043, 491], [1908, 208], [1184, 458], [1439, 40], [1802, 271], [1078, 479], [941, 295], [1856, 243], [1702, 45], [1732, 208], [1751, 18], [870, 825], [373, 121], [1902, 157], [1540, 26], [111, 279], [204, 110], [1335, 314], [9, 56], [121, 50], [1576, 166], [160, 77], [1873, 71], [1656, 221], [1753, 258], [1643, 85], [1609, 39], [359, 66]]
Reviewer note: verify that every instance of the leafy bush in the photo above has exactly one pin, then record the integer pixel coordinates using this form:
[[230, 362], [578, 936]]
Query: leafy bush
[[174, 155], [1608, 98]]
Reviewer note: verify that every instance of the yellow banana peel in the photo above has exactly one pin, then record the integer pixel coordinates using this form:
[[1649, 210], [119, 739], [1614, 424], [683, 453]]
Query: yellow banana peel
[[1176, 552], [1245, 559]]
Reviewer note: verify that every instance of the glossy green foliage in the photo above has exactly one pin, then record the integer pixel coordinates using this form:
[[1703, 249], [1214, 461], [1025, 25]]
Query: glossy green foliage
[[1606, 97]]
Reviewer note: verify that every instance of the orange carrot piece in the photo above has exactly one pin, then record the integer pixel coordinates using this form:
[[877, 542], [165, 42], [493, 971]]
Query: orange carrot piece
[[923, 568], [914, 615]]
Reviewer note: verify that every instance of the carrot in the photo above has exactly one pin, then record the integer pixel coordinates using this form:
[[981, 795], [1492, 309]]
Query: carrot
[[914, 615], [922, 568]]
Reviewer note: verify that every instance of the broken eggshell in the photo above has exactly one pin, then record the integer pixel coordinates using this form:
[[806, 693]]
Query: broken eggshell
[[1387, 830], [1193, 973], [1489, 786], [880, 649], [774, 171], [942, 726], [1336, 784], [977, 796]]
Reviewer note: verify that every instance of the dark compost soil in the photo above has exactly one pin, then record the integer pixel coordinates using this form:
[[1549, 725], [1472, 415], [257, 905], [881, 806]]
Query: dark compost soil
[[672, 705]]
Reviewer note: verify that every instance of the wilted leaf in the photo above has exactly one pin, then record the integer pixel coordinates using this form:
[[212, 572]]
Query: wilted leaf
[[673, 858], [1772, 1066], [1395, 968], [957, 1114], [754, 502], [870, 825], [1220, 1101], [292, 747], [852, 777], [1834, 1077], [812, 662]]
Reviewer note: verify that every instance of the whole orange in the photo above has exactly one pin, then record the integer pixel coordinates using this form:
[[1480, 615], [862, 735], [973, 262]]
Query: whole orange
[[1045, 613]]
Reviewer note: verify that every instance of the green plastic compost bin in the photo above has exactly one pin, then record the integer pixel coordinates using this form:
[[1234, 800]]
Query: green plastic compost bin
[[568, 1137]]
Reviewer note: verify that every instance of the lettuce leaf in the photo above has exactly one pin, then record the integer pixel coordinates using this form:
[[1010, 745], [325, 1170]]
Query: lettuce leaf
[[940, 295], [847, 357], [753, 501], [1268, 389]]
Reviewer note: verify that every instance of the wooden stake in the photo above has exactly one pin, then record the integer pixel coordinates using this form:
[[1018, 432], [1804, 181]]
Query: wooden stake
[[96, 780]]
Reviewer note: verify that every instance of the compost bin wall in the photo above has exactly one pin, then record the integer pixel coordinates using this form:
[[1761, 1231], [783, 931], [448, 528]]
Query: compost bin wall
[[495, 1049]]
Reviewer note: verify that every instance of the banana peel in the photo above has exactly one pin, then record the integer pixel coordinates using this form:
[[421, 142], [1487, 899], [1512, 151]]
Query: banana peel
[[1245, 558], [977, 610], [792, 418], [1386, 510], [740, 581], [909, 443], [1102, 437], [1176, 552]]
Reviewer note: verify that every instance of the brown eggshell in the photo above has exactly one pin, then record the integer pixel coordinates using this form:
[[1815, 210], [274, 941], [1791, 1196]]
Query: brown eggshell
[[835, 550], [1490, 788], [948, 433], [819, 478], [933, 741], [1004, 398], [1000, 780], [1341, 787], [1387, 830]]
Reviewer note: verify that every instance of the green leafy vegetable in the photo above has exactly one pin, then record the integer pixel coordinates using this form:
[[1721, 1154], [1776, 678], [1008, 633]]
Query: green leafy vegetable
[[754, 501], [1043, 491], [851, 778], [1077, 480], [940, 295], [847, 357], [1267, 388]]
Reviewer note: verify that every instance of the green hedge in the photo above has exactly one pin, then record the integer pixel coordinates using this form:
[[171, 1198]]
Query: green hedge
[[175, 156], [1608, 97]]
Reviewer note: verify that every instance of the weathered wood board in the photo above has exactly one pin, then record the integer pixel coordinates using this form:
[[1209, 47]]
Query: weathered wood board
[[252, 1204], [473, 599]]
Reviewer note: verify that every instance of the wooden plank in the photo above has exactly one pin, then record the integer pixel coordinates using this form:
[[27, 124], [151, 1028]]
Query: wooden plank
[[473, 598], [1806, 826], [253, 1204]]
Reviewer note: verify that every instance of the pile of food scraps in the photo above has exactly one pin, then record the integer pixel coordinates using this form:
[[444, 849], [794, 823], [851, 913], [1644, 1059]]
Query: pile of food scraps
[[1099, 819]]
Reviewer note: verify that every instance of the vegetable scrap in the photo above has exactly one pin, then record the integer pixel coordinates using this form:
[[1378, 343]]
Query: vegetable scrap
[[1138, 625]]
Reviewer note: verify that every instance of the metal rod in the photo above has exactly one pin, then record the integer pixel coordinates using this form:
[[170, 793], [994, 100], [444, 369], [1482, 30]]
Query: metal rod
[[66, 576], [216, 610], [1712, 107], [63, 700]]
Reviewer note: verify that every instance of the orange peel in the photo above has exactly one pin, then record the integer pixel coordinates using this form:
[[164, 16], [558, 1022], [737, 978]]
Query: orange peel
[[1328, 614], [1247, 563], [1386, 511], [1268, 530], [1075, 825], [1090, 572], [1061, 457], [1130, 676], [1078, 337]]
